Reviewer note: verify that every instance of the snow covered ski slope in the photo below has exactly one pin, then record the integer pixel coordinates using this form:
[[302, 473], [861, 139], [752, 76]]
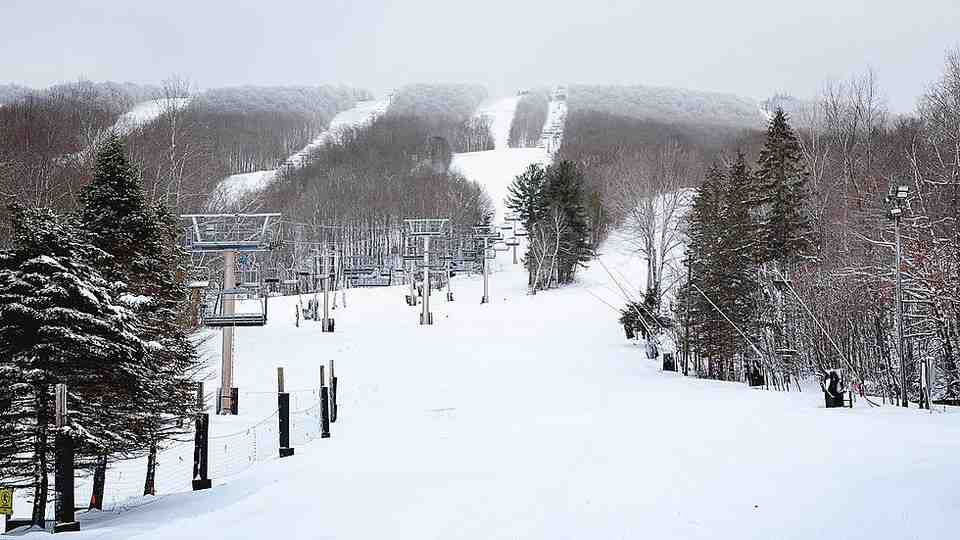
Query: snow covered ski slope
[[532, 417], [497, 168], [145, 112]]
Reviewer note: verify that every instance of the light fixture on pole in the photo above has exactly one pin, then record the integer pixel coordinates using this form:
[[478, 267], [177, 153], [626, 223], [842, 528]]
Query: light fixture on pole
[[897, 200]]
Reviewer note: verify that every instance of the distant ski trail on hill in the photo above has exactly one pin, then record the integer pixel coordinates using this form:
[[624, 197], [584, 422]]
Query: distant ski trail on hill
[[495, 169], [235, 187]]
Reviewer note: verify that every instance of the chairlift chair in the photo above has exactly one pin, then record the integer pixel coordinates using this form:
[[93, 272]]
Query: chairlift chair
[[219, 319]]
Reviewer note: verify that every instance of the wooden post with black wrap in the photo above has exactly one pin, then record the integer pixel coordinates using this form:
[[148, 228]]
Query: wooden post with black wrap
[[201, 444], [333, 394], [324, 407], [283, 406], [63, 479]]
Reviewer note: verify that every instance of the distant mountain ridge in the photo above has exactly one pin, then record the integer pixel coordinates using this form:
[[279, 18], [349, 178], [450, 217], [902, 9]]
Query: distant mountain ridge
[[668, 105]]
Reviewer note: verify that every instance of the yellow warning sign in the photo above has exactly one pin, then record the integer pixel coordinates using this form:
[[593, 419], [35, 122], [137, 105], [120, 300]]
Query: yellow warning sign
[[6, 500]]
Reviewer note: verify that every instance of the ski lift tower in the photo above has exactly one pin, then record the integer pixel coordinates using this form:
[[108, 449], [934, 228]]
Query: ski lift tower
[[231, 234], [324, 263], [512, 224], [427, 229], [486, 233]]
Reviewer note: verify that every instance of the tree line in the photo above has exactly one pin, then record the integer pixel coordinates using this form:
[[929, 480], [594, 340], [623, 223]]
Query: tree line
[[529, 117], [790, 268]]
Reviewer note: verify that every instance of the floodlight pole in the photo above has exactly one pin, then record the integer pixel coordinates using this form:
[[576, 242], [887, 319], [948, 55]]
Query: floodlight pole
[[897, 200], [316, 283], [425, 316], [412, 273], [486, 284], [325, 323], [229, 308], [903, 363]]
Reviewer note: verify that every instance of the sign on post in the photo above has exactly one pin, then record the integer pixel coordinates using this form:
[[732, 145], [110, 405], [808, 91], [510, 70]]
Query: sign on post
[[6, 501]]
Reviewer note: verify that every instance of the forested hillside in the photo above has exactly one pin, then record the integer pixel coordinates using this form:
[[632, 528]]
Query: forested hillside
[[669, 105], [448, 110], [48, 137], [656, 143], [529, 118], [374, 177]]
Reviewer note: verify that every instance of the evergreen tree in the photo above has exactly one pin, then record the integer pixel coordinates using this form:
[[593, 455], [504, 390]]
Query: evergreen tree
[[780, 192], [565, 196], [60, 322], [738, 246], [525, 195], [705, 223], [142, 242]]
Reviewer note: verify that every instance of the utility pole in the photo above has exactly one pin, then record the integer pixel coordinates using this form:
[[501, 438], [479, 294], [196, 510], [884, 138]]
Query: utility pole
[[425, 316], [486, 279], [897, 200], [686, 326], [408, 241], [326, 324]]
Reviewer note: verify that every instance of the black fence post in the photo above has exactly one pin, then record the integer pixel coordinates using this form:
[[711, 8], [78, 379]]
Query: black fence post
[[324, 407], [201, 445], [333, 394], [283, 405], [333, 400]]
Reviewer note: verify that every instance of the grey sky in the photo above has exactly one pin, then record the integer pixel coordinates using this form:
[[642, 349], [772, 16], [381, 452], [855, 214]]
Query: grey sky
[[749, 47]]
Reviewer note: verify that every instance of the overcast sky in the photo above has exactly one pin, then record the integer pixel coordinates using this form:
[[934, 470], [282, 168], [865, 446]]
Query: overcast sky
[[749, 47]]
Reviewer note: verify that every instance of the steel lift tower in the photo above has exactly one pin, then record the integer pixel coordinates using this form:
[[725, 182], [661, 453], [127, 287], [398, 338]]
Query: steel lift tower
[[427, 229], [230, 234]]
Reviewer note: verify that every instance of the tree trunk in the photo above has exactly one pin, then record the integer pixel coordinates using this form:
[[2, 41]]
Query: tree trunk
[[149, 485]]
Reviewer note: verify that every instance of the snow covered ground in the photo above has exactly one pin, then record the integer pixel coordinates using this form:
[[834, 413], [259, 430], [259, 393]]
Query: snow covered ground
[[532, 417], [146, 112], [497, 168], [499, 113], [234, 188]]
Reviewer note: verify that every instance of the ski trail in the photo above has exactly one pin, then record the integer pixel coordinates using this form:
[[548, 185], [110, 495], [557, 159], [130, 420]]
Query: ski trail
[[495, 169], [234, 188]]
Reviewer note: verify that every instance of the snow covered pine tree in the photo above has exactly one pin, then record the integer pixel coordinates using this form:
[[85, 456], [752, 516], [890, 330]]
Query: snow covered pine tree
[[60, 322], [142, 242]]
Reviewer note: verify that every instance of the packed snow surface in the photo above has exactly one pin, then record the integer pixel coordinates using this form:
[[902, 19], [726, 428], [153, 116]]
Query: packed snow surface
[[496, 169], [532, 417]]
